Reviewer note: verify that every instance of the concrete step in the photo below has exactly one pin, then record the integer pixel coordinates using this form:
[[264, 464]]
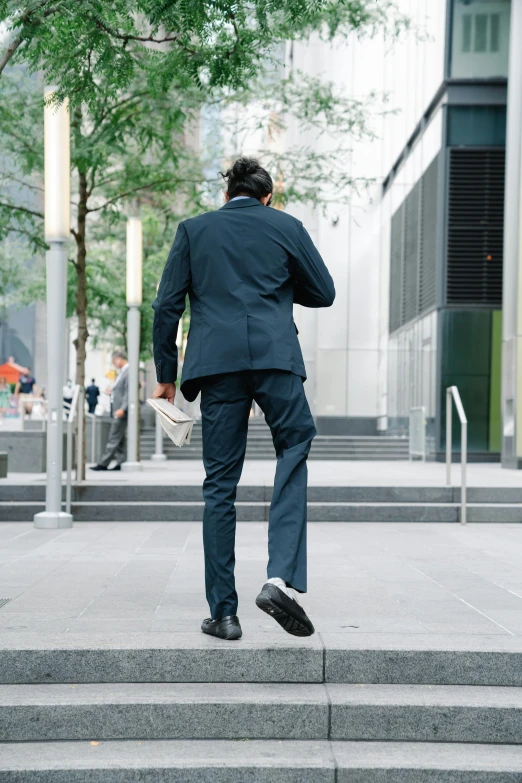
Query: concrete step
[[416, 713], [196, 455], [258, 761], [260, 446], [417, 659], [102, 491], [158, 511]]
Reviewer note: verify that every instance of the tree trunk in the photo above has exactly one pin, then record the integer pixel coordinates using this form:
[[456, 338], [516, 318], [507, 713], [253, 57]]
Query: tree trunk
[[81, 291], [80, 342]]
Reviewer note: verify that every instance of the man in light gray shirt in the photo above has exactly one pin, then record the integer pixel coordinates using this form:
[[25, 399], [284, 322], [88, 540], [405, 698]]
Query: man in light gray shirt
[[117, 441]]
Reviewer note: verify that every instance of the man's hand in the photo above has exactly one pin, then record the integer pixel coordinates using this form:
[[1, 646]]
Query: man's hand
[[119, 414], [166, 391]]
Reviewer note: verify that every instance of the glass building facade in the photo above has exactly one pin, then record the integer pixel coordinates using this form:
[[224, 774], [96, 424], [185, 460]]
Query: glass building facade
[[446, 243]]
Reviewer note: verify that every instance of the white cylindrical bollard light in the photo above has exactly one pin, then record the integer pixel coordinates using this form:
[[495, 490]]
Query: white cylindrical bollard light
[[134, 297], [158, 455], [57, 229]]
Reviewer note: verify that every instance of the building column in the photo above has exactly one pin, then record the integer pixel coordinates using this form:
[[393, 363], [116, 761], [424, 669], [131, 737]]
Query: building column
[[512, 272]]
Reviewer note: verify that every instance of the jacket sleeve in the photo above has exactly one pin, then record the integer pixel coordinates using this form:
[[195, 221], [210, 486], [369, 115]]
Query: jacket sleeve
[[169, 307], [313, 284]]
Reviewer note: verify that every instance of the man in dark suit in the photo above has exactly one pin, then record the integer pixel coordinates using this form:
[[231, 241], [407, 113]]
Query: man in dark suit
[[243, 267], [92, 393]]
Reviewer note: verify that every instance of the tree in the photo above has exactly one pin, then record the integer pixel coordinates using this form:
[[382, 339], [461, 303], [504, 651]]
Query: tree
[[86, 47], [137, 73], [129, 146]]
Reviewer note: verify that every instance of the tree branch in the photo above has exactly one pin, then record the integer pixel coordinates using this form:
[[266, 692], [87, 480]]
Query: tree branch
[[126, 38], [128, 193], [142, 39], [11, 49], [18, 41], [11, 178], [26, 210]]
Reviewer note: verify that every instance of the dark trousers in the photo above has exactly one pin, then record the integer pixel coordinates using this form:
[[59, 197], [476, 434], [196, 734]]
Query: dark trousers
[[226, 401], [92, 406]]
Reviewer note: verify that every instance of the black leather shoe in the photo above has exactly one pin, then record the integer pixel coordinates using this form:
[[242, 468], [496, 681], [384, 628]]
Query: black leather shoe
[[287, 612], [226, 628], [116, 467], [98, 467]]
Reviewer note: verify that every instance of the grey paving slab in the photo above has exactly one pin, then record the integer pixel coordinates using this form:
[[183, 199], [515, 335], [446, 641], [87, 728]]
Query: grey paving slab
[[386, 577], [195, 761], [426, 713]]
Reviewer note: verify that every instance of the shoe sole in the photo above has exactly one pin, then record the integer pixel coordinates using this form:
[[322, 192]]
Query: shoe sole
[[285, 620]]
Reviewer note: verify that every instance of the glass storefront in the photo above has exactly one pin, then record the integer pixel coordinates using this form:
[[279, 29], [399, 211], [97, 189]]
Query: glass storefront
[[471, 345]]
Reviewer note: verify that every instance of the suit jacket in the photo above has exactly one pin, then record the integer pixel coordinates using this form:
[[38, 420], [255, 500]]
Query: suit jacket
[[243, 267], [120, 391]]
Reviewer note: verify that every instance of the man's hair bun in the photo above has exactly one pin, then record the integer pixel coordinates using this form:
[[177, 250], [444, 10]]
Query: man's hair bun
[[248, 178], [243, 167]]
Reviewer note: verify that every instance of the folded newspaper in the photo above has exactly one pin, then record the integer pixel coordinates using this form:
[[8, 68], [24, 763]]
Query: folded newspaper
[[176, 424]]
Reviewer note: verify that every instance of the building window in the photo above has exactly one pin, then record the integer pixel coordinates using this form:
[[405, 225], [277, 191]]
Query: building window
[[480, 38], [480, 126]]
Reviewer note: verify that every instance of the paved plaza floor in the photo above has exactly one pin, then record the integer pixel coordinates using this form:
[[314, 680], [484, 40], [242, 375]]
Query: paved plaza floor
[[320, 473], [425, 581]]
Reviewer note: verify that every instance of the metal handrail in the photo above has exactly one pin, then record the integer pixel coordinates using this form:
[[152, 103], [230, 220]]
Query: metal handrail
[[93, 435], [453, 393], [76, 401]]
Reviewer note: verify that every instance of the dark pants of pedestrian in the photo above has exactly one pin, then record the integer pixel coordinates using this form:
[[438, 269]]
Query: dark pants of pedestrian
[[92, 406], [116, 443], [226, 401]]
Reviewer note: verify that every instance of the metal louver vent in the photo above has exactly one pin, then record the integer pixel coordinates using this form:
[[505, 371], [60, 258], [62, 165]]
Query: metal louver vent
[[475, 226], [427, 281], [410, 283], [413, 251], [396, 269]]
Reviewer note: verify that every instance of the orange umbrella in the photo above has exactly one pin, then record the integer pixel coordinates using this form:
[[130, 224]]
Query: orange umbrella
[[10, 373]]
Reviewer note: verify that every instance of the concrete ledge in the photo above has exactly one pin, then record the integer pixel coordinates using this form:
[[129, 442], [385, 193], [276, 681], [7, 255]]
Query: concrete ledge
[[156, 657], [423, 659], [168, 762], [332, 657], [163, 711], [406, 713], [346, 425], [27, 451], [258, 761], [426, 713], [92, 491], [421, 762]]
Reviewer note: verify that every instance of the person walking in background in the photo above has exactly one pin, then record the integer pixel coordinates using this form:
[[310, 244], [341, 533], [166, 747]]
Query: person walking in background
[[116, 443], [92, 393], [5, 397], [243, 267], [24, 390]]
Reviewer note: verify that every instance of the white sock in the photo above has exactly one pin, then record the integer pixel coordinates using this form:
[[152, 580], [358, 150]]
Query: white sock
[[281, 584]]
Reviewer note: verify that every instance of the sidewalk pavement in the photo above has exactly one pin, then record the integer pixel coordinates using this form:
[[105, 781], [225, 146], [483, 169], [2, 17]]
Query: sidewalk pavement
[[320, 473], [423, 582]]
